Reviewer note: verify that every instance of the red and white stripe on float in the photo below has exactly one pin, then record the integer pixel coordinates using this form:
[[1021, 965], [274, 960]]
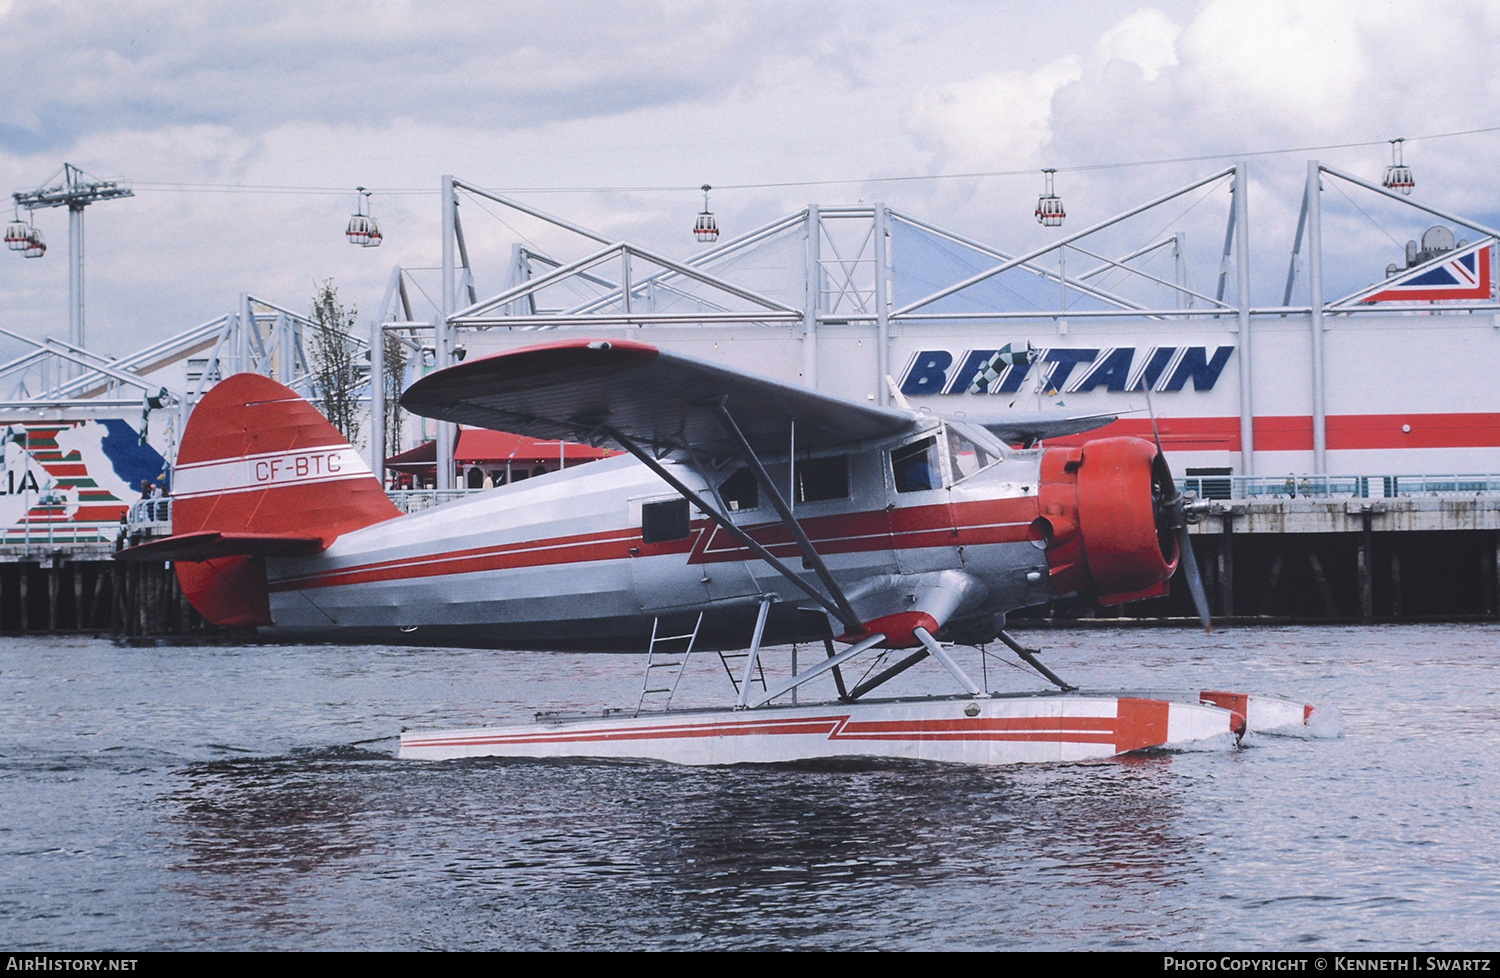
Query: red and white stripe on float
[[1016, 730]]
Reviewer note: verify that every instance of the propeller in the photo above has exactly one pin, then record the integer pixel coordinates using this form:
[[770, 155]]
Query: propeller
[[1172, 514]]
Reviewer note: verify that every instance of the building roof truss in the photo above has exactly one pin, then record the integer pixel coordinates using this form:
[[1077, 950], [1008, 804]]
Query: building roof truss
[[1309, 216], [623, 255], [914, 309]]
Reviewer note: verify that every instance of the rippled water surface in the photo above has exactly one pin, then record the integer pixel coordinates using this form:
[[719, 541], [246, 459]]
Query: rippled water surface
[[218, 798]]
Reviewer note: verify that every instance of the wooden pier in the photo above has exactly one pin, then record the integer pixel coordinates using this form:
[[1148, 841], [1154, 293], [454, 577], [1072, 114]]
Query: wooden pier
[[1343, 559], [83, 589]]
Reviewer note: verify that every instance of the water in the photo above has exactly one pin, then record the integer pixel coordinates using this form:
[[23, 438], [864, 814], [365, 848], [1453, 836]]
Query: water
[[249, 798]]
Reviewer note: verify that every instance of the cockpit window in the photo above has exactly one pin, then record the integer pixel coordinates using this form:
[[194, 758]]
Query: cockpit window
[[967, 456], [915, 466]]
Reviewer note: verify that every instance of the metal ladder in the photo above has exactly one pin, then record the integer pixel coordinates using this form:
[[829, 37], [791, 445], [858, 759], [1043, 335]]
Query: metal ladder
[[658, 658]]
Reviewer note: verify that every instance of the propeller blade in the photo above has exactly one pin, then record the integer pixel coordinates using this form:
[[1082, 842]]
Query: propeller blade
[[1194, 580], [1151, 410], [1174, 501]]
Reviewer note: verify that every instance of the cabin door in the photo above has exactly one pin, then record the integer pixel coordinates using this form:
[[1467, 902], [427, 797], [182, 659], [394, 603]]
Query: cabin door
[[664, 579], [920, 508]]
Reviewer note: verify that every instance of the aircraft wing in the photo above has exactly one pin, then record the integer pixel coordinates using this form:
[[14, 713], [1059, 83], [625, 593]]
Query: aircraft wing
[[569, 389]]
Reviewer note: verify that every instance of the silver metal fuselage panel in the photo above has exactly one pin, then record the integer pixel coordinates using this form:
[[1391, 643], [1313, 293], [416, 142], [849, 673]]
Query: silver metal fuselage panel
[[558, 561]]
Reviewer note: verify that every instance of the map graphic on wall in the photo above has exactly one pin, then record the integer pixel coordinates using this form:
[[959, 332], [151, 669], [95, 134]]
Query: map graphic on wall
[[72, 481]]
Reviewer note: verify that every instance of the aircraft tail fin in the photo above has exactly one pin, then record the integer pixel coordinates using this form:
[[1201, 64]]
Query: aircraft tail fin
[[264, 474], [256, 458]]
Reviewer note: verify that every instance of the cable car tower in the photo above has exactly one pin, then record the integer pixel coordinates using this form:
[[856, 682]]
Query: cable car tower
[[75, 193]]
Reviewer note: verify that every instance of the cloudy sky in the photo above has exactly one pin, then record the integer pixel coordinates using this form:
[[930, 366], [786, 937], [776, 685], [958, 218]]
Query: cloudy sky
[[243, 127]]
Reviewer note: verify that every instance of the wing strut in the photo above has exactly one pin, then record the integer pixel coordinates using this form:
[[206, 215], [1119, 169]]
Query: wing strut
[[810, 554], [851, 622]]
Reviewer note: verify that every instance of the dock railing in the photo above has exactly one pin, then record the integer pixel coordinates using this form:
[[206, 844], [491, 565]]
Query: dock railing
[[416, 500], [150, 516], [1337, 486]]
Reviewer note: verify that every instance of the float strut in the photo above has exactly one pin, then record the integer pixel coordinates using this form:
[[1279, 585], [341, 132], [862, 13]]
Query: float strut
[[838, 676], [887, 675], [754, 656], [959, 676], [1029, 655]]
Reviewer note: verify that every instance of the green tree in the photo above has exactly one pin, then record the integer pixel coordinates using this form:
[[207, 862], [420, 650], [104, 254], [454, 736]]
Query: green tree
[[394, 380], [336, 373]]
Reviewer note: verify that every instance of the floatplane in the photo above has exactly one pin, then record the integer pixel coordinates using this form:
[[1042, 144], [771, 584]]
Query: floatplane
[[743, 513]]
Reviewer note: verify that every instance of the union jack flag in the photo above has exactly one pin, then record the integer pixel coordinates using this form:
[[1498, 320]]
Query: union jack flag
[[1461, 274]]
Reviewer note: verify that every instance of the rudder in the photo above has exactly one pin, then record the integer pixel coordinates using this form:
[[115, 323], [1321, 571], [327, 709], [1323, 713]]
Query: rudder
[[256, 458]]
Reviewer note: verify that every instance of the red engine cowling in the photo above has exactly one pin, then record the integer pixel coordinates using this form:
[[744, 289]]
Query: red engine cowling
[[1102, 521]]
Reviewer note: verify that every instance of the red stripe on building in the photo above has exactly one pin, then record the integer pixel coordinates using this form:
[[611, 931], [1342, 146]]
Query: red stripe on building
[[105, 512], [1290, 433], [1353, 431], [1294, 432], [1177, 434]]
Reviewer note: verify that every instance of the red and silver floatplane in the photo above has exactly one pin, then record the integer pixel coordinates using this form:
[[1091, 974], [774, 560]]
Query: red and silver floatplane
[[748, 512]]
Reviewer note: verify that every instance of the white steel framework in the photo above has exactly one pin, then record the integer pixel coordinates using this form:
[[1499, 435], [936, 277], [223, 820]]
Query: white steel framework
[[853, 270], [258, 336], [1310, 218], [848, 280]]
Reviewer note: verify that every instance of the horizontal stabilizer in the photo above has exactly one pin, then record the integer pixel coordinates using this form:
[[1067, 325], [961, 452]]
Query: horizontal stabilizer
[[208, 544], [1027, 429]]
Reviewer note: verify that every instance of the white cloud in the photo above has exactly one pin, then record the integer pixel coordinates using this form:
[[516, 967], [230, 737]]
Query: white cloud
[[1147, 39], [390, 95], [1297, 61], [99, 67], [993, 121]]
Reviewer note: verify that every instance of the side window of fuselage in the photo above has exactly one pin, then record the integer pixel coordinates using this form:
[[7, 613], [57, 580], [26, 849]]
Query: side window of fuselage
[[740, 491], [915, 466], [823, 478]]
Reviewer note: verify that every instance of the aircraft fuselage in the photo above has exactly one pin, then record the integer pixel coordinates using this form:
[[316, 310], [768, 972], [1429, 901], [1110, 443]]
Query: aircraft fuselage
[[588, 557]]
